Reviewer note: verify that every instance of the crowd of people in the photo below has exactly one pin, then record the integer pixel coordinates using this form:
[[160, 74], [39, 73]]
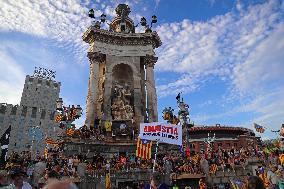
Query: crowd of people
[[55, 165]]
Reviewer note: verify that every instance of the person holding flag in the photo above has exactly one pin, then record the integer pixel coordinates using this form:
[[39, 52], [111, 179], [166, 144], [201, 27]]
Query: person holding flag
[[4, 146]]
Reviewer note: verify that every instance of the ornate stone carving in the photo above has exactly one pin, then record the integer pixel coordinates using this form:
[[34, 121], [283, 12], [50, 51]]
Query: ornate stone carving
[[150, 60], [121, 108], [104, 36], [96, 57]]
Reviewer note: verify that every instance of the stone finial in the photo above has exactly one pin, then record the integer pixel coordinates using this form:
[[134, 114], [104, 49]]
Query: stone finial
[[150, 60], [96, 56], [122, 10], [122, 23]]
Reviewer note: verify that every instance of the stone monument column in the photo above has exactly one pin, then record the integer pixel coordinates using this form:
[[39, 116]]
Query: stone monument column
[[151, 88], [95, 59]]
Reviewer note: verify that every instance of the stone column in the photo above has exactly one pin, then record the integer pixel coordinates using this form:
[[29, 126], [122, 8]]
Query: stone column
[[151, 88], [95, 58]]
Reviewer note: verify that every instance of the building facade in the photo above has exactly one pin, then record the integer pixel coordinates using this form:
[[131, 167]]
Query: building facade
[[223, 137], [33, 119]]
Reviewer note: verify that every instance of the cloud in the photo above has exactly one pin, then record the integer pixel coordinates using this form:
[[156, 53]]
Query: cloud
[[263, 66], [244, 49], [218, 46], [64, 22], [12, 79]]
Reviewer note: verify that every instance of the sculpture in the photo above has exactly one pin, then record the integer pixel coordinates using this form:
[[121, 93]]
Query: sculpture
[[121, 98]]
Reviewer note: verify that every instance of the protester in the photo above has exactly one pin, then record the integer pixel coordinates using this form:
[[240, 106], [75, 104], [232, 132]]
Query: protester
[[157, 181], [3, 179], [18, 181], [255, 182], [60, 185]]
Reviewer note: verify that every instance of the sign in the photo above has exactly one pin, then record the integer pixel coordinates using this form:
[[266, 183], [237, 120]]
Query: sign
[[122, 127], [162, 132]]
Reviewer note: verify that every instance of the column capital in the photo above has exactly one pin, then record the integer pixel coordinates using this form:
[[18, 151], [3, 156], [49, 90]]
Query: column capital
[[96, 56], [150, 60]]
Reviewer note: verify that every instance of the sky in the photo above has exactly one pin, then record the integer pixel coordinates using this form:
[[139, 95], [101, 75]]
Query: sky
[[225, 57]]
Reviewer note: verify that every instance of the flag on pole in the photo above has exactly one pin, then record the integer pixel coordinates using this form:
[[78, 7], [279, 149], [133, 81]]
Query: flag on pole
[[50, 141], [70, 132], [4, 145], [259, 128], [108, 181], [144, 149]]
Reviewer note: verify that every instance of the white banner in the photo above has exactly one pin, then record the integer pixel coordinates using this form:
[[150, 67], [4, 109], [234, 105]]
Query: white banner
[[163, 132]]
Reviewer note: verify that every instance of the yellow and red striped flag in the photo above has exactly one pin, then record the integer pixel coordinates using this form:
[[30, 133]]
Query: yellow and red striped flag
[[70, 132], [144, 150], [108, 181], [50, 141], [281, 158]]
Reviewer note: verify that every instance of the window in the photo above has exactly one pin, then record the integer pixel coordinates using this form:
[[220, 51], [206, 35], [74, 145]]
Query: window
[[24, 111], [34, 109], [30, 81], [52, 115], [43, 112], [1, 119], [55, 85], [14, 110], [104, 71], [3, 108]]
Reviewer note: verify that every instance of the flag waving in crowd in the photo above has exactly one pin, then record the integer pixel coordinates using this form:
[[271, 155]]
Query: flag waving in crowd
[[259, 128], [4, 145], [144, 149], [50, 141]]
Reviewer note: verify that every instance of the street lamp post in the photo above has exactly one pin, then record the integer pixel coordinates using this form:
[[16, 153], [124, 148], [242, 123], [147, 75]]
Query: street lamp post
[[183, 115], [123, 11]]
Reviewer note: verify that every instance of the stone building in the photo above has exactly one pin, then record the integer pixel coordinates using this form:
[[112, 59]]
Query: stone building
[[225, 137], [33, 119], [121, 82]]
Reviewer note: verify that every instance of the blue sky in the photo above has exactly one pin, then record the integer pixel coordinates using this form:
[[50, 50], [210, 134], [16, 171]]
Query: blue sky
[[226, 57]]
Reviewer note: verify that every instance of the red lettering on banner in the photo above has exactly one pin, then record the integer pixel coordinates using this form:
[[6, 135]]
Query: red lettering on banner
[[145, 129], [158, 128], [164, 129], [175, 131]]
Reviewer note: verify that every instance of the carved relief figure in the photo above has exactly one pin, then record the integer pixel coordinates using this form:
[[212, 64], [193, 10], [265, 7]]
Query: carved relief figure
[[121, 108]]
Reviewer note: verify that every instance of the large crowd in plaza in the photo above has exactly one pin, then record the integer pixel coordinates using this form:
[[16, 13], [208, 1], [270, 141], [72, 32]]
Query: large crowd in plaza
[[39, 170]]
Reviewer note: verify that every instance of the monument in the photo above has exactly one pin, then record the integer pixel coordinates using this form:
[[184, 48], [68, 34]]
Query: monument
[[121, 81]]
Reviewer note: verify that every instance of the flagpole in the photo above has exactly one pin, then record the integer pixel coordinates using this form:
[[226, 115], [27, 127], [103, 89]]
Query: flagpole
[[157, 145]]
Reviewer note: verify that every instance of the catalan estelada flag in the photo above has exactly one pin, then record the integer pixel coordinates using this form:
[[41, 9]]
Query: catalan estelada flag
[[70, 132], [144, 149], [108, 181], [259, 128], [50, 141]]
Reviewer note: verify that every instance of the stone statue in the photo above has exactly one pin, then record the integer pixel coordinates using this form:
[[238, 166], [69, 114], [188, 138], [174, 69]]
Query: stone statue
[[129, 112], [121, 98]]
